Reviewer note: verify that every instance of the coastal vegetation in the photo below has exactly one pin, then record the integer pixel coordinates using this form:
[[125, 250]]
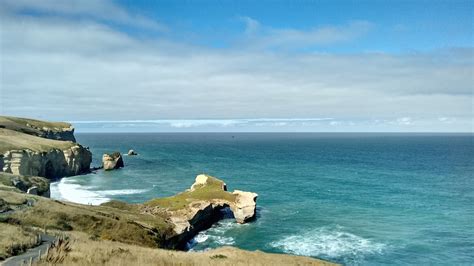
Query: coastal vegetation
[[114, 233], [14, 140], [23, 183], [213, 189]]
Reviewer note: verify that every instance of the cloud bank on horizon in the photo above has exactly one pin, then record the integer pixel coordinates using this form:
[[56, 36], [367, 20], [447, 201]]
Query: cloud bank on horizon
[[200, 66]]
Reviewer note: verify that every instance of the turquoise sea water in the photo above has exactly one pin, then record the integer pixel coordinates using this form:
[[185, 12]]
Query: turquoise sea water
[[365, 199]]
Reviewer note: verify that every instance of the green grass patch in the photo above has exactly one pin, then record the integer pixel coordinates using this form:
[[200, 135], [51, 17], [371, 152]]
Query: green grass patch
[[209, 191]]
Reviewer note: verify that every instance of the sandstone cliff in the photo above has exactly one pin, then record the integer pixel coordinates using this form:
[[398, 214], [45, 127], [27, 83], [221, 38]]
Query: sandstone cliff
[[199, 207], [112, 161], [30, 154], [43, 129]]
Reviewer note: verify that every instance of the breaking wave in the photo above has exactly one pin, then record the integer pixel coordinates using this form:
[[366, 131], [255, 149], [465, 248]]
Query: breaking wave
[[329, 242], [67, 189]]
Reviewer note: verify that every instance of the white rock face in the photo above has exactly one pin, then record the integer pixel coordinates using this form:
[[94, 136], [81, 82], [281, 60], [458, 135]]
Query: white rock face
[[245, 206], [132, 153], [200, 180], [112, 161], [55, 163], [65, 134], [201, 214]]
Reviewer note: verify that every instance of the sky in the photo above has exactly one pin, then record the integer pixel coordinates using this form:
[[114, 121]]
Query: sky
[[236, 66]]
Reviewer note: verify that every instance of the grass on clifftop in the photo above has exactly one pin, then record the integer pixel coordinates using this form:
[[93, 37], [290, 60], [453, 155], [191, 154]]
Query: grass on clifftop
[[20, 124], [26, 182], [100, 252], [14, 140], [211, 190], [100, 222], [15, 240]]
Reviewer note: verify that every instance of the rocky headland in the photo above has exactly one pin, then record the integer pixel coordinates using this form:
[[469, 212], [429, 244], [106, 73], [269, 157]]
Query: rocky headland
[[36, 148], [199, 207], [33, 152]]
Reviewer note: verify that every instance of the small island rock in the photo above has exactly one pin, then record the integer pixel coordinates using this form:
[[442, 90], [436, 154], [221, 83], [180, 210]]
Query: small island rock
[[131, 153], [245, 206], [112, 161]]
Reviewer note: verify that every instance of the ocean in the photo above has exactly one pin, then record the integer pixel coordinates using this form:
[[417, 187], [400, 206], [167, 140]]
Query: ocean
[[355, 198]]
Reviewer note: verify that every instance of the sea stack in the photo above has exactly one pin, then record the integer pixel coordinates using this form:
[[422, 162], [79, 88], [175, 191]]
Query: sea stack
[[112, 161], [131, 153]]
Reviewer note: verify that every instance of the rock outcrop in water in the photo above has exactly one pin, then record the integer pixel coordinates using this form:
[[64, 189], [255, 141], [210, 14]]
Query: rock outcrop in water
[[199, 207], [37, 148], [112, 161], [132, 153]]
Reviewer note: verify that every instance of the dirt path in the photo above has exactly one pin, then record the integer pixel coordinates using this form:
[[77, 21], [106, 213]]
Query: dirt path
[[24, 259]]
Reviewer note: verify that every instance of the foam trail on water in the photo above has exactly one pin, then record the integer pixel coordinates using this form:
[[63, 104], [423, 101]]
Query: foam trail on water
[[216, 236], [67, 190], [330, 242], [121, 192]]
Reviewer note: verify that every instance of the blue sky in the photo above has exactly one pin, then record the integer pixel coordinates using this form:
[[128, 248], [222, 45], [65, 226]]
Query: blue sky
[[399, 66], [397, 26]]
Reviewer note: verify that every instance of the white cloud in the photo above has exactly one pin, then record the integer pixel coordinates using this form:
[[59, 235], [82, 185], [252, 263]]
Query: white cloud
[[64, 69], [251, 25], [260, 36], [102, 10], [404, 121]]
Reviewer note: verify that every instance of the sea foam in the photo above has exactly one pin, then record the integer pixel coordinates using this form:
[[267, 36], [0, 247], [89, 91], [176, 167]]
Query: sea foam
[[330, 242], [67, 189], [215, 236]]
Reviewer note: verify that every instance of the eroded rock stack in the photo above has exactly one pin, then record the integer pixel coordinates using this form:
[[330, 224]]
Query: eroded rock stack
[[112, 161]]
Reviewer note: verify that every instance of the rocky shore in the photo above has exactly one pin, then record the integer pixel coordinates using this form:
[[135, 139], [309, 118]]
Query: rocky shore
[[46, 149], [199, 207], [33, 152]]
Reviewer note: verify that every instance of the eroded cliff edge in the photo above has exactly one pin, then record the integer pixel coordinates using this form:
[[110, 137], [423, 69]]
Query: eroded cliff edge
[[199, 207], [37, 148]]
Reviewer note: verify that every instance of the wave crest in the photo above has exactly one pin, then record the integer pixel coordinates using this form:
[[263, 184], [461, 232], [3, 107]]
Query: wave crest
[[331, 242]]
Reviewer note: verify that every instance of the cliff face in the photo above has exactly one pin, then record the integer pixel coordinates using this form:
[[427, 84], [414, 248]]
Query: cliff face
[[112, 161], [66, 134], [31, 147], [52, 164], [199, 207], [43, 129]]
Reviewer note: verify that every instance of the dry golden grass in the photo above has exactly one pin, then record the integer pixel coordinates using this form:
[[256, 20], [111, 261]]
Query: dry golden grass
[[88, 252], [14, 240], [114, 234], [118, 235], [101, 222], [25, 182], [15, 198], [17, 123], [14, 140]]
